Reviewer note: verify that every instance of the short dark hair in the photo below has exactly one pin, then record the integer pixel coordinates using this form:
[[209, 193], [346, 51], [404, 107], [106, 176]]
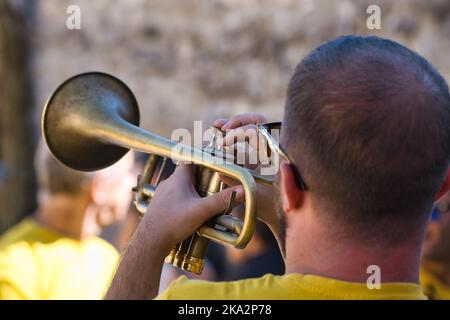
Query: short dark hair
[[367, 123], [55, 177]]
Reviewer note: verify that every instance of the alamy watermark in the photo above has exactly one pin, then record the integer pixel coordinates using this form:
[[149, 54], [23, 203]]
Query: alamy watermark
[[374, 280], [373, 21], [73, 21]]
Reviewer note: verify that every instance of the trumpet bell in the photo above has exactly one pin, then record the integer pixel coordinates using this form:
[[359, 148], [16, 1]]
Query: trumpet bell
[[72, 114]]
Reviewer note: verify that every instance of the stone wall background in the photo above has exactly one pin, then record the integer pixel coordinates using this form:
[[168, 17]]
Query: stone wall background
[[197, 59]]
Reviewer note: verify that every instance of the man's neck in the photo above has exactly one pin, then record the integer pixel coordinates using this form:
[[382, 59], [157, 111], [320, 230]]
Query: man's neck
[[66, 215], [312, 250]]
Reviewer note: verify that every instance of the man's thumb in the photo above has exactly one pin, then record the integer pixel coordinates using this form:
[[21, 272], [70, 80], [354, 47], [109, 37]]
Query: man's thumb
[[218, 202]]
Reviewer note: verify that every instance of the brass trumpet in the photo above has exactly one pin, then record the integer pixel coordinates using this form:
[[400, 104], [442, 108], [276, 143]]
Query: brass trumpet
[[92, 119]]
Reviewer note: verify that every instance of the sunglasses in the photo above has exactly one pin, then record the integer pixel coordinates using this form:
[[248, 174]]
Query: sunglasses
[[270, 131]]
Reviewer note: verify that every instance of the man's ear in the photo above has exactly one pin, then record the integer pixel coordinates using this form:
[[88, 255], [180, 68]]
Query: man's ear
[[291, 195], [445, 187]]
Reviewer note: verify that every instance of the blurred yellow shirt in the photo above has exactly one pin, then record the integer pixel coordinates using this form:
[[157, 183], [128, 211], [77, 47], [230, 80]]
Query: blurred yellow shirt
[[38, 263], [433, 288], [288, 287]]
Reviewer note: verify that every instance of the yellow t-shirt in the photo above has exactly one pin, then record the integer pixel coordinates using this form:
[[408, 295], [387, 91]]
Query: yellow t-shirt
[[37, 263], [433, 288], [288, 287]]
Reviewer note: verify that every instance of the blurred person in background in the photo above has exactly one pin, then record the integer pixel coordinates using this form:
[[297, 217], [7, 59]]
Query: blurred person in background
[[127, 227], [261, 256], [435, 268], [56, 253]]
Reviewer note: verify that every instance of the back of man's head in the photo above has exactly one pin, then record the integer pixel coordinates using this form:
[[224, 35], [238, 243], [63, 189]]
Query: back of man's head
[[367, 123], [56, 178]]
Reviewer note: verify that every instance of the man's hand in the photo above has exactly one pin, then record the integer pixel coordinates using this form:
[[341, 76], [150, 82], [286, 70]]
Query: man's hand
[[176, 210], [234, 128], [242, 138]]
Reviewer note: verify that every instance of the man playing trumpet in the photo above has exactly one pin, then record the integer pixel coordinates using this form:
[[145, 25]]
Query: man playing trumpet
[[364, 151]]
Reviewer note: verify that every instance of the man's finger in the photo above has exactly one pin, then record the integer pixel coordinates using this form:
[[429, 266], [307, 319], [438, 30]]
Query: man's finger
[[219, 123], [218, 202], [245, 154], [228, 180], [185, 171], [241, 134], [244, 119]]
